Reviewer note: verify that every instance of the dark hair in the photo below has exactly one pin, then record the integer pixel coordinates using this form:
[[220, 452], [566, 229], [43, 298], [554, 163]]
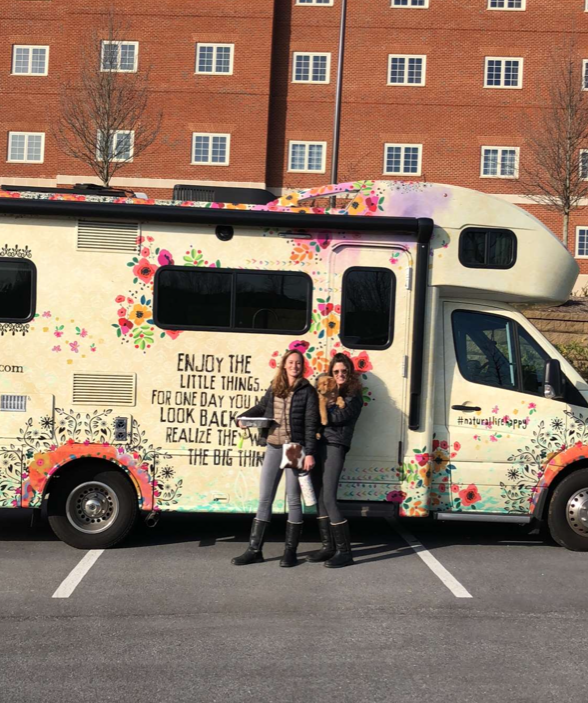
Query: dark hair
[[280, 385], [352, 384]]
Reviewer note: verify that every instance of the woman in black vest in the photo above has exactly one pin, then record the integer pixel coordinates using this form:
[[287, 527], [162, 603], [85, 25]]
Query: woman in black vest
[[335, 443], [293, 403]]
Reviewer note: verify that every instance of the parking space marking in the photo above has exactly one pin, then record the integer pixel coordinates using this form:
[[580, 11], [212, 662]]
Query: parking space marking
[[69, 584], [436, 567]]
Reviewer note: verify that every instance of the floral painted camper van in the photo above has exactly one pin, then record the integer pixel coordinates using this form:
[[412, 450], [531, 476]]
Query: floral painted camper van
[[133, 332]]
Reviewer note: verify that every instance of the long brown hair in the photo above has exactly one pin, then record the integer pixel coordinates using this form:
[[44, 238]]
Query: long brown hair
[[280, 385], [352, 385]]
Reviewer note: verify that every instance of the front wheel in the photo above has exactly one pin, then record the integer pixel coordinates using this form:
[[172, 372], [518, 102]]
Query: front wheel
[[567, 516], [92, 508]]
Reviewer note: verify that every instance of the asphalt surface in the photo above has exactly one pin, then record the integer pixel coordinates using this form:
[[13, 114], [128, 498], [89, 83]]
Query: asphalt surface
[[166, 617]]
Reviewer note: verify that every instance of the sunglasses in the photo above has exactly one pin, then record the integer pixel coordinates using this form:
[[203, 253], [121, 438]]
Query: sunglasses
[[340, 373]]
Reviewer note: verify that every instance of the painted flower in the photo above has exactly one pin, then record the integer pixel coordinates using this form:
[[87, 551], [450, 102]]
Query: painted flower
[[145, 251], [331, 324], [41, 463], [371, 203], [56, 348], [440, 460], [58, 333], [456, 446], [325, 308], [165, 258], [300, 345], [323, 239], [422, 459], [121, 312], [495, 409], [75, 347], [125, 325], [139, 314], [301, 252], [173, 334], [320, 362], [272, 363], [395, 496], [144, 271], [470, 495], [119, 299], [46, 313], [455, 488], [362, 362]]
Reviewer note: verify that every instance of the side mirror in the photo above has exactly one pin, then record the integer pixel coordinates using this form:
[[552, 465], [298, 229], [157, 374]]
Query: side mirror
[[553, 387]]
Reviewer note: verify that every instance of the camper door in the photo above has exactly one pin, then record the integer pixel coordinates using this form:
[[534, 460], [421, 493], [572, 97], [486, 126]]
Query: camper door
[[370, 287]]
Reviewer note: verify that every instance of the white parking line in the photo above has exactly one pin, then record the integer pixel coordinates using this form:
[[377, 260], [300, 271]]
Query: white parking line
[[69, 584], [436, 567]]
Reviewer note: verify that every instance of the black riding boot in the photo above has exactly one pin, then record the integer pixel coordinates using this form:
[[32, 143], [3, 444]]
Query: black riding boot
[[328, 548], [343, 544], [293, 532], [253, 555]]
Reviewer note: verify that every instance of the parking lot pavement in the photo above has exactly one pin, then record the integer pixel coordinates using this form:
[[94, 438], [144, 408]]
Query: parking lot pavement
[[167, 616]]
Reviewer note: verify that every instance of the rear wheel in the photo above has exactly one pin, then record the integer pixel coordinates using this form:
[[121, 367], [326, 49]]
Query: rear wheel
[[567, 516], [92, 507]]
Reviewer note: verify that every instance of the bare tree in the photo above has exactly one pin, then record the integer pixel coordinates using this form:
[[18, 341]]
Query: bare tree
[[105, 119], [554, 172]]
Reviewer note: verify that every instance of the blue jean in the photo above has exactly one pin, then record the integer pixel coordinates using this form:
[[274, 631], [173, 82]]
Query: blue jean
[[270, 478]]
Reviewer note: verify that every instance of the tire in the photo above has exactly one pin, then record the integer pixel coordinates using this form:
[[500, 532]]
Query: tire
[[567, 515], [92, 507]]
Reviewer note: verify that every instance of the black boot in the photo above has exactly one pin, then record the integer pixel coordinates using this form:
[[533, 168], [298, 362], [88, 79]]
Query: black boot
[[343, 544], [328, 548], [253, 555], [293, 532]]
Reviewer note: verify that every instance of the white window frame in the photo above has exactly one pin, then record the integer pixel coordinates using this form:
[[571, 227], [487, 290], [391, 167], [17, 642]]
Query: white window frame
[[402, 172], [500, 149], [30, 47], [314, 3], [405, 83], [115, 134], [215, 46], [312, 55], [577, 254], [9, 160], [410, 6], [210, 162], [508, 9], [504, 58], [323, 167], [119, 44]]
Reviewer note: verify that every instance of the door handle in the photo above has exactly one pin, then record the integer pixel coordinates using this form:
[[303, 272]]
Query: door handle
[[466, 408]]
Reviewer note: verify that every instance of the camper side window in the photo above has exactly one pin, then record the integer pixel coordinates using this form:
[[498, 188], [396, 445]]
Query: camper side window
[[232, 300], [17, 290], [487, 248], [367, 310]]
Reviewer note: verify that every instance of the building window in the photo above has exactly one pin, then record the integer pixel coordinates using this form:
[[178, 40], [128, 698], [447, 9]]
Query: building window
[[402, 159], [499, 162], [307, 157], [311, 68], [215, 59], [503, 73], [121, 56], [314, 2], [367, 308], [210, 149], [585, 74], [17, 290], [406, 70], [487, 248], [410, 3], [232, 300], [584, 164], [582, 242], [119, 146], [26, 147], [30, 60], [506, 4]]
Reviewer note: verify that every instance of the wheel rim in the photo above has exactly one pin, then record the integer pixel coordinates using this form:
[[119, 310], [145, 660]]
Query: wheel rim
[[577, 512], [92, 507]]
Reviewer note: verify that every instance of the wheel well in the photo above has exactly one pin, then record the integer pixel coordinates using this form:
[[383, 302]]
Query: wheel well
[[566, 471], [76, 464]]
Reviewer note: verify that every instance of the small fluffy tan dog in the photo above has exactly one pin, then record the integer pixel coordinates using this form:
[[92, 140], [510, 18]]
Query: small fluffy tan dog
[[326, 387]]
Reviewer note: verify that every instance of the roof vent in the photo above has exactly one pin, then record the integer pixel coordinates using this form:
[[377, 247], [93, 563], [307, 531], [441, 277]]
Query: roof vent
[[104, 389], [116, 237]]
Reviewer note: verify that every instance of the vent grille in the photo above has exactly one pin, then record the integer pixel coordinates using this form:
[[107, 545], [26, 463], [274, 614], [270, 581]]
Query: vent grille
[[104, 389], [119, 237], [13, 403]]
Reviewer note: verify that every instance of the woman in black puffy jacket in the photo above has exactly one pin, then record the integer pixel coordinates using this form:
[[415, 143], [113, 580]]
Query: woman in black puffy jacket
[[335, 443], [293, 403]]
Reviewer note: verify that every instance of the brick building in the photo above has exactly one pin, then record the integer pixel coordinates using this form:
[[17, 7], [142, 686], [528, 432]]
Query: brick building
[[432, 89]]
